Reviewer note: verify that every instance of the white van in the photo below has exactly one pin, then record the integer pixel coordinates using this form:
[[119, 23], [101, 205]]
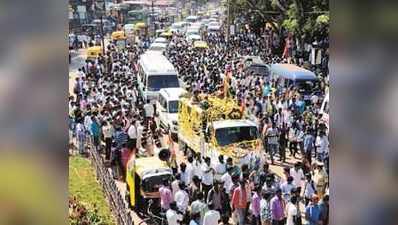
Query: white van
[[167, 108], [154, 73]]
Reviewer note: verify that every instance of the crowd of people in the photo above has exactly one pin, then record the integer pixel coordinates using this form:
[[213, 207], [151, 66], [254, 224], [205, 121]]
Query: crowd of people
[[106, 108]]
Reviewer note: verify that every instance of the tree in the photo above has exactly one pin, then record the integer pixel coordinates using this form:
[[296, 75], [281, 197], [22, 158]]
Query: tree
[[302, 18]]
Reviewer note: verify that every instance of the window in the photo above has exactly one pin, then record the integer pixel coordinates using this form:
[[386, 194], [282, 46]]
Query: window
[[173, 106], [157, 82], [230, 135]]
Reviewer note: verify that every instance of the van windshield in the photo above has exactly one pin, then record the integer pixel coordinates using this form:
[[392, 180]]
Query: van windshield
[[155, 83], [173, 107], [230, 135]]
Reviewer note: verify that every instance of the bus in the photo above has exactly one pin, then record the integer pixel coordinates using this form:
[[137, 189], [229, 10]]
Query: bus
[[154, 76]]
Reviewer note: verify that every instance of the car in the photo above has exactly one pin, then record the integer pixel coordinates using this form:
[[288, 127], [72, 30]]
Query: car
[[179, 27], [256, 65], [161, 40], [193, 37], [167, 108], [158, 47], [108, 25], [214, 24]]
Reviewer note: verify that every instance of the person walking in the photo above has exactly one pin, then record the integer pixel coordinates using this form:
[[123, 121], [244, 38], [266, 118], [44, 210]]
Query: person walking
[[239, 202], [207, 176], [255, 205], [313, 212], [292, 212], [211, 217], [309, 189], [172, 215], [265, 209], [107, 133], [273, 139], [166, 196], [278, 209], [214, 196], [95, 129]]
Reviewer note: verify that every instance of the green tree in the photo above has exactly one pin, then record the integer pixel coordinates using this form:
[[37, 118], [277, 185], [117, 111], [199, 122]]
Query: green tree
[[303, 18]]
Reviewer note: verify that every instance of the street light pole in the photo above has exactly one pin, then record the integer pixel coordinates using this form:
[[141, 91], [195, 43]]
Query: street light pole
[[228, 18], [102, 25], [152, 17]]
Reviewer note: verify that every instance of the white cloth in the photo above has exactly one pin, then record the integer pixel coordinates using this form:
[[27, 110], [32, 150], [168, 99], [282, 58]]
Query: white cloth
[[132, 132], [227, 180], [173, 217], [309, 189], [196, 169], [322, 144], [298, 177], [291, 210], [174, 188], [107, 131], [211, 217], [207, 177], [272, 134], [182, 200], [149, 110]]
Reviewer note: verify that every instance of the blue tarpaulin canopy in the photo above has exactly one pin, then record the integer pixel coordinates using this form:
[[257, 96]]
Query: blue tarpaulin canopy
[[292, 72]]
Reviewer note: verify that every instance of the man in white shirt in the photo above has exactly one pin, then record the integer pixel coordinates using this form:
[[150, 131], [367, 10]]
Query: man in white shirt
[[174, 185], [322, 146], [220, 168], [173, 218], [182, 198], [185, 175], [207, 176], [107, 131], [212, 216], [149, 111], [298, 175], [287, 187], [226, 180], [272, 134], [132, 133], [291, 211]]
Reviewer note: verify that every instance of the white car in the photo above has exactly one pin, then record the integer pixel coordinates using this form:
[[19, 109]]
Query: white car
[[179, 27], [167, 108], [161, 40], [193, 37], [213, 24], [158, 47]]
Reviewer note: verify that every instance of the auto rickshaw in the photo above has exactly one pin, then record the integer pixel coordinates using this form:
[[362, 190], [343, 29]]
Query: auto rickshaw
[[144, 175], [166, 34], [119, 38], [93, 52], [200, 45]]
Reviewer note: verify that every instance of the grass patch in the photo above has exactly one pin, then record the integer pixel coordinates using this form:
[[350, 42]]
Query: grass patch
[[83, 185]]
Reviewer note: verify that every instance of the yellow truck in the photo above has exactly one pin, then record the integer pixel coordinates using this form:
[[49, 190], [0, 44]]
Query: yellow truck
[[214, 126]]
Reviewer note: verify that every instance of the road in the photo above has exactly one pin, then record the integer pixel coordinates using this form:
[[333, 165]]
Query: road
[[78, 60]]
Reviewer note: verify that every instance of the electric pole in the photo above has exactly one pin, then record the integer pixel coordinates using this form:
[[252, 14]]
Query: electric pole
[[228, 18]]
